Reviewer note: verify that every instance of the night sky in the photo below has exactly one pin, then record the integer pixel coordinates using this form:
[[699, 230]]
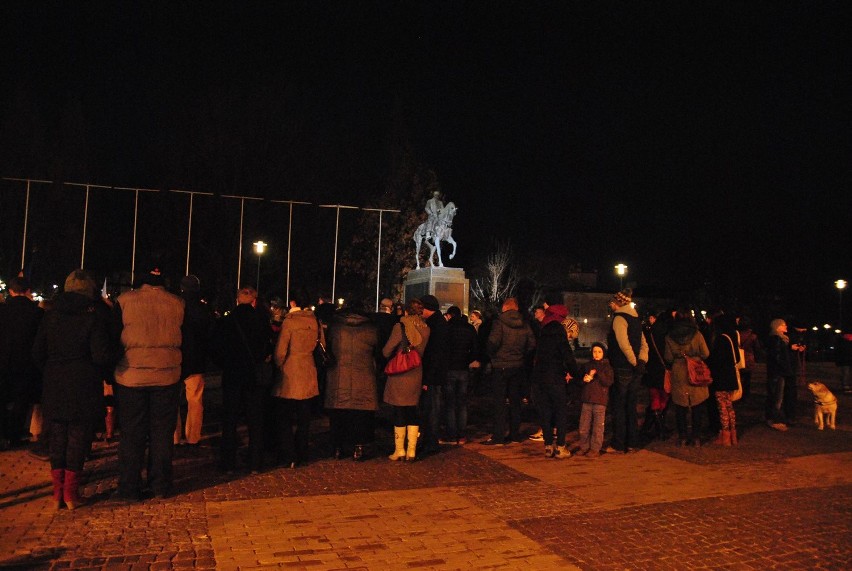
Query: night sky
[[693, 141]]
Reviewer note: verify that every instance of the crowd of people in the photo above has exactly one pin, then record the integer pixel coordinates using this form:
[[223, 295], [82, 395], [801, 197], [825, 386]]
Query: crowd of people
[[88, 363]]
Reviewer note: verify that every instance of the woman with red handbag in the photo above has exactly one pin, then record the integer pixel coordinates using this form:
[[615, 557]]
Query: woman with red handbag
[[403, 388], [684, 341]]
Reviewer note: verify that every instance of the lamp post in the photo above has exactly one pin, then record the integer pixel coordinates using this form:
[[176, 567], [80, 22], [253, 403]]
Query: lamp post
[[840, 285], [259, 248], [621, 271]]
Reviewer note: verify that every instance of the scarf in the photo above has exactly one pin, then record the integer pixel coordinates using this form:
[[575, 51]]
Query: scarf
[[773, 330]]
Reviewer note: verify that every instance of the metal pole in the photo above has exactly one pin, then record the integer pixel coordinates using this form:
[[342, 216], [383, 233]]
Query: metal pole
[[379, 252], [258, 274], [240, 256], [334, 269], [379, 261], [289, 240], [336, 232], [85, 224], [189, 231], [26, 221], [133, 255]]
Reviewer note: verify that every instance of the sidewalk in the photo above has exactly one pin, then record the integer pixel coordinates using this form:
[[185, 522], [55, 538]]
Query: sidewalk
[[779, 501]]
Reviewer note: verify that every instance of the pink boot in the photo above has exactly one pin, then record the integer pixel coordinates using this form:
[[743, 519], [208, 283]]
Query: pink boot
[[58, 478], [72, 490]]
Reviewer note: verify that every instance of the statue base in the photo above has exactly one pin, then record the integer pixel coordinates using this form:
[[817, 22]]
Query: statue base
[[449, 285]]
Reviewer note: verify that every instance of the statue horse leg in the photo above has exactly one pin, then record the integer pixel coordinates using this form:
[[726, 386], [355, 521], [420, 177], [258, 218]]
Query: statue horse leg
[[438, 250], [453, 242], [418, 242]]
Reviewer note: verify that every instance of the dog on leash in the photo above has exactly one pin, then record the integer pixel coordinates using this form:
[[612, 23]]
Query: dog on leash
[[825, 405]]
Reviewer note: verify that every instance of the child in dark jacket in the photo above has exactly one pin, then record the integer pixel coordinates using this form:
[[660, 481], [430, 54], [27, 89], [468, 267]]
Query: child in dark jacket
[[597, 378]]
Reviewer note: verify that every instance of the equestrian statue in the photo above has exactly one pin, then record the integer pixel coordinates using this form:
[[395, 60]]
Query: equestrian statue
[[438, 228]]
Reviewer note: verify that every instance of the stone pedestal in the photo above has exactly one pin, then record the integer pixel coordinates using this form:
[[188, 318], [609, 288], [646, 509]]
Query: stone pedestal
[[447, 284]]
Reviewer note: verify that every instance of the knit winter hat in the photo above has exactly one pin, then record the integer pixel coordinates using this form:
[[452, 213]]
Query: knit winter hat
[[623, 297], [554, 313], [572, 328], [79, 282]]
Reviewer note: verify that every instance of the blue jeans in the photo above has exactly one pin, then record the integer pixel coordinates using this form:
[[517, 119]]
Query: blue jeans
[[455, 404], [592, 426], [550, 400], [625, 396], [430, 401]]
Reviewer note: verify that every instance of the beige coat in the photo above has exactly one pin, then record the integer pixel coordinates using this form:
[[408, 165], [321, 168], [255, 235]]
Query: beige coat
[[405, 389], [294, 356], [690, 343]]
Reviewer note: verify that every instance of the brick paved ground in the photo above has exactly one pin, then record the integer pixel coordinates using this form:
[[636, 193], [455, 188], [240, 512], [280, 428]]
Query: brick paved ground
[[779, 501]]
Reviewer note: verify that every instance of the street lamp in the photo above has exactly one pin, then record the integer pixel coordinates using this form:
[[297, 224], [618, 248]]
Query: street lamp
[[840, 285], [621, 271], [259, 248]]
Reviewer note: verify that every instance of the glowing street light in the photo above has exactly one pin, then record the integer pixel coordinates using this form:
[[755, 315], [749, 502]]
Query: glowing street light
[[621, 271], [259, 248], [840, 285]]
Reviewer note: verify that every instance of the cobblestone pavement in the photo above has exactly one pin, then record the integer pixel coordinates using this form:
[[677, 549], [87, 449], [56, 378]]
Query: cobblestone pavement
[[778, 501]]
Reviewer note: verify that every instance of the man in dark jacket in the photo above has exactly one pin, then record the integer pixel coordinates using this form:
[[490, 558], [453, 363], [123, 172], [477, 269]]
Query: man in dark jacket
[[195, 333], [462, 354], [435, 362], [20, 380], [511, 339], [240, 343]]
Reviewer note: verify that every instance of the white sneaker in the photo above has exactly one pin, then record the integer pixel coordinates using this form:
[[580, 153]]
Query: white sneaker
[[538, 436]]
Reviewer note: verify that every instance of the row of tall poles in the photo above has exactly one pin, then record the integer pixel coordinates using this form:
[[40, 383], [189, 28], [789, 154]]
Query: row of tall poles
[[259, 246]]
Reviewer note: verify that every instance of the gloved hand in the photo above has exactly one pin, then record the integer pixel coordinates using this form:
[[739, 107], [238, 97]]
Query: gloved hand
[[639, 369]]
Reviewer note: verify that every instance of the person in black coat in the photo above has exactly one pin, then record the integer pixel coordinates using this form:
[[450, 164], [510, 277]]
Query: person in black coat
[[655, 331], [723, 359], [553, 367], [463, 352], [20, 380], [435, 363], [72, 347], [241, 344]]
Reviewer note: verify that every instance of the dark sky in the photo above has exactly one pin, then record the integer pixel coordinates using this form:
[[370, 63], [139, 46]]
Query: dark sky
[[690, 140]]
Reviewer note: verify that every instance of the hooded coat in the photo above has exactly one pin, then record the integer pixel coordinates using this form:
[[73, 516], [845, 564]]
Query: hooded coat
[[351, 383], [684, 338], [510, 340]]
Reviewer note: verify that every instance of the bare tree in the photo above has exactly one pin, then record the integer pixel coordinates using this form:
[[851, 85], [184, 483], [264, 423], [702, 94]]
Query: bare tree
[[501, 276]]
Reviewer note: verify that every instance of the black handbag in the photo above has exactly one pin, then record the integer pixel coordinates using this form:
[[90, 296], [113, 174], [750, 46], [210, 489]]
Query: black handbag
[[323, 358]]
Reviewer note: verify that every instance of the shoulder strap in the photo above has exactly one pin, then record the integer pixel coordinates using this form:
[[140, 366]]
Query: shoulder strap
[[654, 343], [733, 349]]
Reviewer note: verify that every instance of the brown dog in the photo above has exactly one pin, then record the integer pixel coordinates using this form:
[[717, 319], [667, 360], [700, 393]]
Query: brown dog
[[825, 405]]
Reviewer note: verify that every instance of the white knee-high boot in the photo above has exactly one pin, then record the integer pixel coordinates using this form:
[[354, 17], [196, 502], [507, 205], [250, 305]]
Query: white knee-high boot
[[413, 433], [399, 443]]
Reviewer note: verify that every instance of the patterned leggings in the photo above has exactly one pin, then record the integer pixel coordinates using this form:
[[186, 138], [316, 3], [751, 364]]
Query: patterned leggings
[[727, 416]]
